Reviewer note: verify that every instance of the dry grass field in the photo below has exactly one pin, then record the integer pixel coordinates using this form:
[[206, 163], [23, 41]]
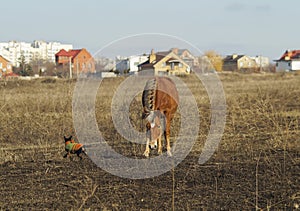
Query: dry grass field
[[256, 166]]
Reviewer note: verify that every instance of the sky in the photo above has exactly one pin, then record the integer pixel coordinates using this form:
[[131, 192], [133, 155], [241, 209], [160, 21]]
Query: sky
[[256, 27]]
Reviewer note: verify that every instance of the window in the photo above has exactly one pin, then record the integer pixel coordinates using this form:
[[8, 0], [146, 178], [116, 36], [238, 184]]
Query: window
[[0, 65]]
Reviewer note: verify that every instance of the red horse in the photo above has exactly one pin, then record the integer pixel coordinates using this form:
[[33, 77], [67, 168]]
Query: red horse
[[160, 102]]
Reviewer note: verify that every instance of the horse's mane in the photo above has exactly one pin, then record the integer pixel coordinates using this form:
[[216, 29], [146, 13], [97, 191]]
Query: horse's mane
[[149, 96]]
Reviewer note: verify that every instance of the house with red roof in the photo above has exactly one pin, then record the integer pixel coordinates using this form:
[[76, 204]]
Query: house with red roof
[[5, 66], [81, 60], [289, 61]]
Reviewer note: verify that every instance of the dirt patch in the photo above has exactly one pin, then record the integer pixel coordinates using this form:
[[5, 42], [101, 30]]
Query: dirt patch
[[241, 184]]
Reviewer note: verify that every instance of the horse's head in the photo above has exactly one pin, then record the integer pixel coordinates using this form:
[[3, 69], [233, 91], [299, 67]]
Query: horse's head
[[155, 127]]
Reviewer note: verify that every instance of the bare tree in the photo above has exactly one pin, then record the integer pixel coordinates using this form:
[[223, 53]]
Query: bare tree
[[215, 59]]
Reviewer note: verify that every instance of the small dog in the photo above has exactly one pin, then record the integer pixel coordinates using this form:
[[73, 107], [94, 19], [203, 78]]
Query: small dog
[[72, 147]]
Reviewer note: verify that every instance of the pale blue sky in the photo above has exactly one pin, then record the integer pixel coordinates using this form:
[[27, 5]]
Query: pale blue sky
[[256, 27]]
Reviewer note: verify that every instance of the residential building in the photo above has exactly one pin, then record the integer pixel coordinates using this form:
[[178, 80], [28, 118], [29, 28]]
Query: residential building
[[5, 66], [81, 60], [46, 51], [289, 61], [261, 62], [238, 63], [13, 51], [164, 63], [104, 64], [129, 64], [36, 50], [186, 56]]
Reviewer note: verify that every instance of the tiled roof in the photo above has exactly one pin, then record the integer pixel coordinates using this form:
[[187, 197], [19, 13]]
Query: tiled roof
[[294, 54], [179, 51], [70, 53], [158, 56], [163, 53], [146, 64], [231, 59]]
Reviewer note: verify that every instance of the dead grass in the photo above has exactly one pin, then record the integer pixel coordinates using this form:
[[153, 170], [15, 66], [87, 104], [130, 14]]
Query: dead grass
[[260, 143]]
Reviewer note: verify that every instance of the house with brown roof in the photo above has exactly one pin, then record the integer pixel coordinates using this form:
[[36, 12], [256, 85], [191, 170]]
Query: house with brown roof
[[186, 56], [5, 66], [238, 63], [81, 60], [289, 61], [164, 63]]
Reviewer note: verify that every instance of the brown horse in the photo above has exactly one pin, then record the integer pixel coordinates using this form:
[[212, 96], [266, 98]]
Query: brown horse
[[160, 102]]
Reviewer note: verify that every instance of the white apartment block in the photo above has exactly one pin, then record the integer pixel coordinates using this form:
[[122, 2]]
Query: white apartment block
[[37, 50]]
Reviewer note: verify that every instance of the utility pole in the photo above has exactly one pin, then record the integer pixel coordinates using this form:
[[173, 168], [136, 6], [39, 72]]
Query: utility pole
[[70, 66], [77, 68], [260, 67]]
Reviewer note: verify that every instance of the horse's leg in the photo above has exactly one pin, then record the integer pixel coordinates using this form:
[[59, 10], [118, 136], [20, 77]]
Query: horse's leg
[[147, 151], [167, 134], [159, 145]]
